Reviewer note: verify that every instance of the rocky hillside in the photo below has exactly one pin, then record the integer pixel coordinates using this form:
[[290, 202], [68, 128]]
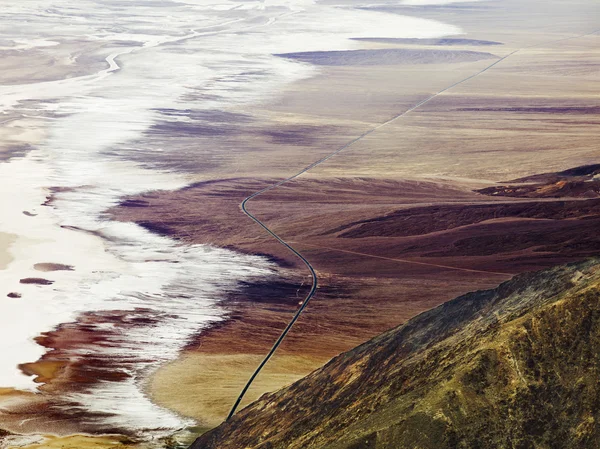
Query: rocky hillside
[[578, 182], [513, 367]]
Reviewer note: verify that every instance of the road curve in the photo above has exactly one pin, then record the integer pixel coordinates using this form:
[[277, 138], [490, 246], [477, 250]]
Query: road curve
[[313, 274]]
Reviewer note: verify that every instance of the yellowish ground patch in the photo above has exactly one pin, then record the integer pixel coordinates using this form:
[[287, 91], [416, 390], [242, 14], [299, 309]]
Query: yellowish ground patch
[[205, 386], [5, 241], [79, 442]]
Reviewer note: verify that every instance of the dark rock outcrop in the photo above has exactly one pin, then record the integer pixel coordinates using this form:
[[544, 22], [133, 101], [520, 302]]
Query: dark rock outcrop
[[38, 281]]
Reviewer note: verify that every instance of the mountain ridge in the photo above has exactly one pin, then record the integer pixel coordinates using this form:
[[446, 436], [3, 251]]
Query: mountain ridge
[[493, 368]]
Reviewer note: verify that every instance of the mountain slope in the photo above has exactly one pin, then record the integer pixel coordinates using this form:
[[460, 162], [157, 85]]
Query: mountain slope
[[513, 367]]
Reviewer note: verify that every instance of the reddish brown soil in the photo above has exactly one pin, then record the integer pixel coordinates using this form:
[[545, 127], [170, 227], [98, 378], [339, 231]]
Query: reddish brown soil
[[38, 281], [66, 368], [385, 251], [426, 220], [578, 182], [558, 189], [585, 172]]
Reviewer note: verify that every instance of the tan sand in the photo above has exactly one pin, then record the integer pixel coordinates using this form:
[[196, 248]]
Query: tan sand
[[51, 266], [18, 135], [79, 442], [204, 386], [5, 241]]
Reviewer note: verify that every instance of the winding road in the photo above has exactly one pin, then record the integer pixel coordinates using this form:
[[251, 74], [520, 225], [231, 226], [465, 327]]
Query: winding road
[[315, 281]]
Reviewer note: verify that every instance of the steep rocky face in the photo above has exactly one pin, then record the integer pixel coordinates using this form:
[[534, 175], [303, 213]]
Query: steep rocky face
[[513, 367]]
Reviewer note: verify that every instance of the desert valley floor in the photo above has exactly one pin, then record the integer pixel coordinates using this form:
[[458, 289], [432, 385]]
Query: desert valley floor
[[497, 175]]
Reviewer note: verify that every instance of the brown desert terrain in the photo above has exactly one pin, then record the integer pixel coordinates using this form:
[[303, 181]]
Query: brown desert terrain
[[406, 218]]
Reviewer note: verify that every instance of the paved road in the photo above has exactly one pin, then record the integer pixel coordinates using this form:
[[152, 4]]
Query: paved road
[[315, 281]]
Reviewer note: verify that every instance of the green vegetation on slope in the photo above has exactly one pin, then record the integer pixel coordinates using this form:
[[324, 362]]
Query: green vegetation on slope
[[513, 367]]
